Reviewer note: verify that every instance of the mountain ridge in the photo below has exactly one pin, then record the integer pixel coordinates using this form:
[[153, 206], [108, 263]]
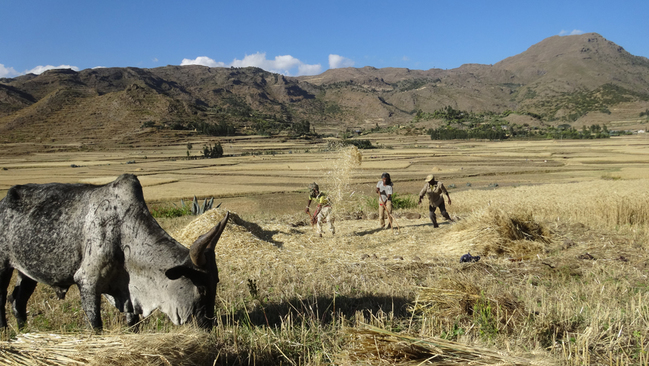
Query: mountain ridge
[[562, 79]]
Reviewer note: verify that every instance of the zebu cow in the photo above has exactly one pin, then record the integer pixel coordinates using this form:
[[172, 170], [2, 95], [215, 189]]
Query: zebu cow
[[104, 240]]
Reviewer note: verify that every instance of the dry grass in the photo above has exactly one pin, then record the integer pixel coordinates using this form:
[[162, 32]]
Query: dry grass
[[562, 279], [494, 231], [455, 298], [186, 347], [372, 345], [613, 205], [286, 294]]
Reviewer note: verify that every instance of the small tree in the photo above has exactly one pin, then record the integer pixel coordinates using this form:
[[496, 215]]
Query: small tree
[[215, 151]]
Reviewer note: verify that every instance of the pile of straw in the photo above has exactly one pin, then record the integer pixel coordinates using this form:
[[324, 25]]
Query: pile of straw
[[373, 346], [186, 347], [207, 221], [238, 232], [242, 244], [494, 231]]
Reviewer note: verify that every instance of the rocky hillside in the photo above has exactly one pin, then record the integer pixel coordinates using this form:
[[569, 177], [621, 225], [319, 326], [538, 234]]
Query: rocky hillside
[[560, 79]]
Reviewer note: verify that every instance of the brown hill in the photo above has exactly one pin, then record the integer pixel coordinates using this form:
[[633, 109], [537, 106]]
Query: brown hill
[[561, 79]]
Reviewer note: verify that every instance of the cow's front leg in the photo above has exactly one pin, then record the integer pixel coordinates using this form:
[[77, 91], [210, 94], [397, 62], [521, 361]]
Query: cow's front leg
[[90, 297], [91, 304]]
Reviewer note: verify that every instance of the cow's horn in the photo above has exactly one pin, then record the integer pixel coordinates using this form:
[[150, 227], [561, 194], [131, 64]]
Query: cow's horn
[[207, 241]]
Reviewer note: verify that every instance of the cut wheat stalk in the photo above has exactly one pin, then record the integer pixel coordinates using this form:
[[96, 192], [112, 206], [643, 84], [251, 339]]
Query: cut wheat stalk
[[373, 345]]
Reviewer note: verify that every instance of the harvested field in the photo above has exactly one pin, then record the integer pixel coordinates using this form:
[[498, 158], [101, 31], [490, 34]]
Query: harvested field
[[561, 279]]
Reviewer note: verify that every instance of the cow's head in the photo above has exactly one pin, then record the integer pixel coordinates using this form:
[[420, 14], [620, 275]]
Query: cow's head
[[196, 282]]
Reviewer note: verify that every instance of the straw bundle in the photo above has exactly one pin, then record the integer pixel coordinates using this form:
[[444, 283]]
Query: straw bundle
[[495, 231], [456, 298], [187, 347], [370, 345]]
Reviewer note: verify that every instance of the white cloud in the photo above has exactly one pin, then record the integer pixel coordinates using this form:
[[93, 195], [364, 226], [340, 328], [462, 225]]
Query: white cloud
[[572, 33], [285, 64], [155, 59], [41, 69], [337, 61], [309, 69], [281, 64], [203, 61], [7, 72]]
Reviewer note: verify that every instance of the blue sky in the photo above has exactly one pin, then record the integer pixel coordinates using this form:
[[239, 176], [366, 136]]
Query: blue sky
[[299, 37]]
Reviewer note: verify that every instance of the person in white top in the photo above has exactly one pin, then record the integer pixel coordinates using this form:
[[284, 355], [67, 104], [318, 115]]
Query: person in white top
[[384, 188]]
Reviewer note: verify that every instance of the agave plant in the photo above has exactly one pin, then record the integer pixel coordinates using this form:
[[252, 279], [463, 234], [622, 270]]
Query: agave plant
[[197, 209]]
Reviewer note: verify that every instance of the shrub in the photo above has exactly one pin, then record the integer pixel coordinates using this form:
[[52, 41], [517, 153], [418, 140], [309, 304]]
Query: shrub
[[169, 211], [361, 144], [215, 151], [404, 202], [398, 202]]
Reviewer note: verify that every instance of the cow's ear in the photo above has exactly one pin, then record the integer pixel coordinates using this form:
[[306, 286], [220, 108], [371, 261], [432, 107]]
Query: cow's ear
[[180, 271]]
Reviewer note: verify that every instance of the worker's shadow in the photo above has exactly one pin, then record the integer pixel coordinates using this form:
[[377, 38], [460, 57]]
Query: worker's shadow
[[258, 231], [430, 224], [318, 312], [369, 232]]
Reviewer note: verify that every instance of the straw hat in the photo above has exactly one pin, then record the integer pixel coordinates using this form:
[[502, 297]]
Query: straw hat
[[430, 178]]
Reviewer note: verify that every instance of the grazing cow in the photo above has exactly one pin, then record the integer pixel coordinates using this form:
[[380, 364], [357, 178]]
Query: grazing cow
[[104, 240]]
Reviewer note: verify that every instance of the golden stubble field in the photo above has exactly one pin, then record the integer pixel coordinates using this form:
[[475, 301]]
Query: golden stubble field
[[561, 227], [287, 166]]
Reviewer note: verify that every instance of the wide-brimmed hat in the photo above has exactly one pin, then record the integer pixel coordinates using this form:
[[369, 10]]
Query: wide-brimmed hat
[[430, 178]]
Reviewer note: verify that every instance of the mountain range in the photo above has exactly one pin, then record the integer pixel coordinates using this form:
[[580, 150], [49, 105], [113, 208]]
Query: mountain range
[[562, 79]]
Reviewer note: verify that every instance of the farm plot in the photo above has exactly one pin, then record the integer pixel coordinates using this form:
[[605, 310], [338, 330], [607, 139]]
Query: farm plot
[[561, 279]]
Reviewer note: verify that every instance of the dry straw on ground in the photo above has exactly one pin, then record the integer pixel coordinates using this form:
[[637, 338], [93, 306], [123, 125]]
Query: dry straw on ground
[[186, 347], [240, 239], [494, 231], [375, 346], [455, 298], [599, 203]]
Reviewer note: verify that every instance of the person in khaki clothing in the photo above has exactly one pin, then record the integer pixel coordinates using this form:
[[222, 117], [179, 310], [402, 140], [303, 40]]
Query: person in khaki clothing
[[384, 188], [434, 190], [323, 209]]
